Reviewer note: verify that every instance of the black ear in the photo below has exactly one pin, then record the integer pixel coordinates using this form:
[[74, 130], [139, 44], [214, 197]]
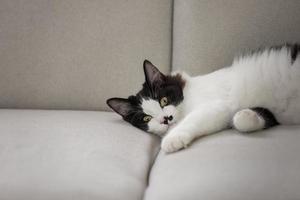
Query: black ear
[[152, 75], [120, 106]]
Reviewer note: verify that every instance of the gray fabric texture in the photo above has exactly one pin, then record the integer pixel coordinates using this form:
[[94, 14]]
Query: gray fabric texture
[[64, 155], [231, 166], [208, 34], [74, 54]]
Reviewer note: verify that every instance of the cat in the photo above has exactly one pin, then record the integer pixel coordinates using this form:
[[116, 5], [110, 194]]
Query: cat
[[259, 90]]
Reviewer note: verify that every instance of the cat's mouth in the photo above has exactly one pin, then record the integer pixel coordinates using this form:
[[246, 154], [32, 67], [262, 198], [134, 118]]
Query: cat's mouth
[[168, 127], [160, 130]]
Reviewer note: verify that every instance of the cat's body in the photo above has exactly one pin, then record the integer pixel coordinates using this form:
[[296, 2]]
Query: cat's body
[[270, 79], [257, 91]]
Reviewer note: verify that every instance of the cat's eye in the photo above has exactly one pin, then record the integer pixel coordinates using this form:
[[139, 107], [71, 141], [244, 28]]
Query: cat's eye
[[147, 118], [163, 101]]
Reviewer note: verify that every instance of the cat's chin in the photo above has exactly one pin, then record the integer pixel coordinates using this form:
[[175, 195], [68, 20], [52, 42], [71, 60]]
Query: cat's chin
[[163, 131]]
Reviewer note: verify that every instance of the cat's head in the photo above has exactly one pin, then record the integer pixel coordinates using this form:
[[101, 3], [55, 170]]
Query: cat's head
[[155, 107]]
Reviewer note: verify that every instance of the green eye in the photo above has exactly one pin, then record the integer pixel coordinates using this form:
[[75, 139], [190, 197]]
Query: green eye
[[147, 118], [163, 101]]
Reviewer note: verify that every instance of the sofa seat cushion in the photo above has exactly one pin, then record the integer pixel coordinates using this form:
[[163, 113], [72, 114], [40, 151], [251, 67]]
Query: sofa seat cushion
[[74, 155], [231, 166]]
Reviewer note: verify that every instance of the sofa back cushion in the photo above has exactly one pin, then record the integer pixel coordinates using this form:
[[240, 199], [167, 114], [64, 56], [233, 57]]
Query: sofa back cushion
[[208, 34], [74, 54]]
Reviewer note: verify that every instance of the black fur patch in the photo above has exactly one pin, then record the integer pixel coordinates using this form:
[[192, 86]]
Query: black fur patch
[[165, 86], [136, 116], [295, 50], [130, 110], [267, 115]]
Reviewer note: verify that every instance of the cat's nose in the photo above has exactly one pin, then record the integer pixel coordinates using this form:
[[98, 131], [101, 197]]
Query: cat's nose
[[167, 119]]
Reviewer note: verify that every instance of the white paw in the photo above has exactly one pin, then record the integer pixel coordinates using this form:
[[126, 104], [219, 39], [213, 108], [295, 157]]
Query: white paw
[[175, 141], [247, 121]]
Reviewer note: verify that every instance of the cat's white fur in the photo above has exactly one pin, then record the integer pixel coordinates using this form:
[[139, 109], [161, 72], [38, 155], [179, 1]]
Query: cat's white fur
[[212, 102]]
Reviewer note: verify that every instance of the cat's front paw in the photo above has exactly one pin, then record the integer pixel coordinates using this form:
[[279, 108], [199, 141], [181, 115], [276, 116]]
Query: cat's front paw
[[175, 141]]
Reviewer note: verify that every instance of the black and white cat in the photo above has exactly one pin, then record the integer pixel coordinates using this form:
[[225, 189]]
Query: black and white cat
[[257, 91]]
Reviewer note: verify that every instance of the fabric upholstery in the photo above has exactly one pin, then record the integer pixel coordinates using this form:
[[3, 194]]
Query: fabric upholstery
[[78, 155], [208, 34], [74, 54], [231, 166]]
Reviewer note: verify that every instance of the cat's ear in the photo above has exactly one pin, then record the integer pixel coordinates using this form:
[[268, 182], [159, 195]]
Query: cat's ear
[[121, 106], [152, 75]]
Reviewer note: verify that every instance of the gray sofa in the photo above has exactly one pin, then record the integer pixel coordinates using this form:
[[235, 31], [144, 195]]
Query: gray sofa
[[60, 61]]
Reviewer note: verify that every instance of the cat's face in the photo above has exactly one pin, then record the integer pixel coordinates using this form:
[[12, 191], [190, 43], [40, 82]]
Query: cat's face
[[155, 108]]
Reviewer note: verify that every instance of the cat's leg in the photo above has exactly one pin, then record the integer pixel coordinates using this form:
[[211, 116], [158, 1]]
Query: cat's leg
[[253, 119], [203, 121]]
